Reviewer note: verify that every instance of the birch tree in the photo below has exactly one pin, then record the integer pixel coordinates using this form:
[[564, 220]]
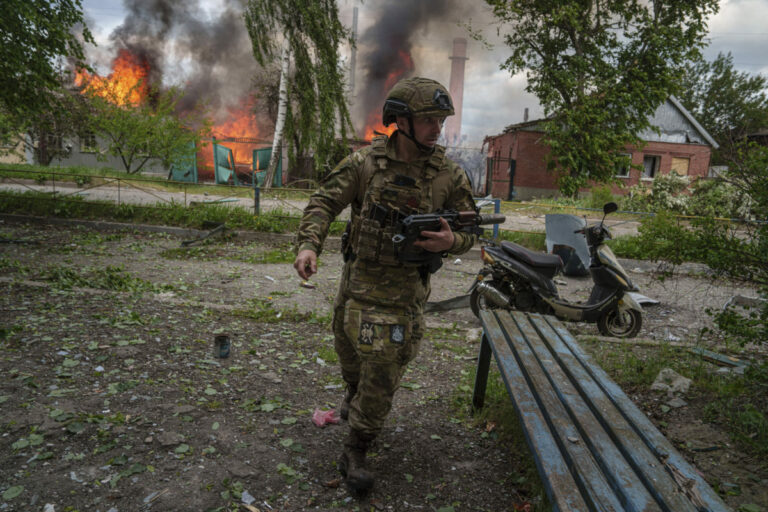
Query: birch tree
[[317, 119], [282, 109]]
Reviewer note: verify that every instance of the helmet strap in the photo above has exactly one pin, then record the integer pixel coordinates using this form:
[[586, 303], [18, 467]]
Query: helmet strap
[[421, 147]]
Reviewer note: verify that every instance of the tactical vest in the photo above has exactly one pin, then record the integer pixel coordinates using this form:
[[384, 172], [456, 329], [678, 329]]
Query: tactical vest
[[393, 190]]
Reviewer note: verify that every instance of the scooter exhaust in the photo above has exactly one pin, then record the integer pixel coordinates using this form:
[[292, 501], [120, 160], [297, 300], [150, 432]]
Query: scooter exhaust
[[493, 295]]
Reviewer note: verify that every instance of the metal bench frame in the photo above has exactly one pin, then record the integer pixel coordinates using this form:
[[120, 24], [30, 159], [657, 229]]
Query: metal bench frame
[[593, 448]]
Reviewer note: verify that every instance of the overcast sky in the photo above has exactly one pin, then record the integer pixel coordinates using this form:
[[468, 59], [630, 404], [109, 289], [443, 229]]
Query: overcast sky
[[492, 98]]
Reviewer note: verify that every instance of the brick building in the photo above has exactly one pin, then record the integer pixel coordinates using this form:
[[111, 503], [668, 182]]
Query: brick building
[[516, 165]]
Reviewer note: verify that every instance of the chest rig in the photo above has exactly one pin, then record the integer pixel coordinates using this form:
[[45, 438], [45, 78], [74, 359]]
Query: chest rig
[[393, 191]]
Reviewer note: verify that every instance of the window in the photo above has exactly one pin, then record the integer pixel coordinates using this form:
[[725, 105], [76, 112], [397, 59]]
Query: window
[[650, 166], [622, 169], [88, 143], [53, 142]]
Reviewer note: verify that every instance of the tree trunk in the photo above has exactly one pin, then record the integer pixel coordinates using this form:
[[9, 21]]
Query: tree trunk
[[280, 123]]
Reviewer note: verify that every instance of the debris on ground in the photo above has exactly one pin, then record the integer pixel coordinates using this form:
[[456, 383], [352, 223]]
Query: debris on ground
[[670, 381]]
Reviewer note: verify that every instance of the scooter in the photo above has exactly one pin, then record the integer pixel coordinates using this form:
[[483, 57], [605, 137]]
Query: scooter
[[514, 277]]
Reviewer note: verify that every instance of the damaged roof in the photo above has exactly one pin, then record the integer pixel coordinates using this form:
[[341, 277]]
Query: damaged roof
[[674, 123]]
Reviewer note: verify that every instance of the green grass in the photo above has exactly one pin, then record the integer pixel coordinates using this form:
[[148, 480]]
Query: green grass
[[737, 403], [533, 241], [107, 278], [263, 310], [247, 254], [96, 176], [235, 217]]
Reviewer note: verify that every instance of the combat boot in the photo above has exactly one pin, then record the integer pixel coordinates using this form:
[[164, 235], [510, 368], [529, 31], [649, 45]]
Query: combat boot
[[351, 392], [352, 462]]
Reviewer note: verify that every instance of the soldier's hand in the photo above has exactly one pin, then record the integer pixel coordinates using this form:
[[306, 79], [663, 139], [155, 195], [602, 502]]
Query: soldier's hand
[[437, 241], [306, 263]]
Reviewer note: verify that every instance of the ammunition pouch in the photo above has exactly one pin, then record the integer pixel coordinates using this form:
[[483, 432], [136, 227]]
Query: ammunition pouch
[[346, 249]]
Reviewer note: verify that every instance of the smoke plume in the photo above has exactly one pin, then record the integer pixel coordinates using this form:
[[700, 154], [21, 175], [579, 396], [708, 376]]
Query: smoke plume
[[209, 55], [386, 46]]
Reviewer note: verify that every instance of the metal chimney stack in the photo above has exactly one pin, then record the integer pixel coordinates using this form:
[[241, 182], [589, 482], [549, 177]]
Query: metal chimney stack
[[456, 87]]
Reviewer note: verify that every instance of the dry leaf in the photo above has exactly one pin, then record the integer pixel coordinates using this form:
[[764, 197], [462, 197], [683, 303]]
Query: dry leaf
[[333, 484]]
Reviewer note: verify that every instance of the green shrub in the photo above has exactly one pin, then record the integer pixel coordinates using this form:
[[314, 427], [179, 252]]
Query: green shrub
[[599, 196], [718, 198]]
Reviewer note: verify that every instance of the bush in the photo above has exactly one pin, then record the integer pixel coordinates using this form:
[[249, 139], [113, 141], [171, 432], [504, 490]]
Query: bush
[[599, 196], [718, 198], [666, 194]]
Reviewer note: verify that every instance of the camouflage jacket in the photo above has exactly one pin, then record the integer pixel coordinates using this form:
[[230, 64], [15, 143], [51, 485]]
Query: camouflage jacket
[[443, 184]]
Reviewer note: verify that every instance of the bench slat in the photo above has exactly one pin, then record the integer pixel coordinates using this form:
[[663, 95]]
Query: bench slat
[[594, 459], [701, 494], [593, 448], [633, 451], [550, 463]]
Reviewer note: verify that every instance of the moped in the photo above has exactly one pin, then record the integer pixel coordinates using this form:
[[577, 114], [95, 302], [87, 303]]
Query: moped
[[514, 277]]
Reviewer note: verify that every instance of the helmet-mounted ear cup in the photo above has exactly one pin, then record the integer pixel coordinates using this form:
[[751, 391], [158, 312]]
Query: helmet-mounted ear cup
[[394, 108]]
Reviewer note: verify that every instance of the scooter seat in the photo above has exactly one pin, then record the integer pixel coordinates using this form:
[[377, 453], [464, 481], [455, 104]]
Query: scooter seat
[[548, 264]]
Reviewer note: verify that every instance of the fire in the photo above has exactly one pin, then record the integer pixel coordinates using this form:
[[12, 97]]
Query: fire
[[126, 85], [374, 122], [240, 123]]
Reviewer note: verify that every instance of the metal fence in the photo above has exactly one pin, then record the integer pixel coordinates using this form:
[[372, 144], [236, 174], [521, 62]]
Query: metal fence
[[144, 191]]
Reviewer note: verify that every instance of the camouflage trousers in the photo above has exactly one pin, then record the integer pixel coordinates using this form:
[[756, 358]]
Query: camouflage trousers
[[374, 345]]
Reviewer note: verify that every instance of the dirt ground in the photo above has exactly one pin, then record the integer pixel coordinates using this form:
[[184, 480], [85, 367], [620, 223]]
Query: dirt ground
[[112, 400]]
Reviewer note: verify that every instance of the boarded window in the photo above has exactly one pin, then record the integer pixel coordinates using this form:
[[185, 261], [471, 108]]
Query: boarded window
[[680, 166], [650, 166]]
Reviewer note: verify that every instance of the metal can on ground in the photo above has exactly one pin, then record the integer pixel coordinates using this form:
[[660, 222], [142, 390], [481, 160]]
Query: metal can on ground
[[221, 346]]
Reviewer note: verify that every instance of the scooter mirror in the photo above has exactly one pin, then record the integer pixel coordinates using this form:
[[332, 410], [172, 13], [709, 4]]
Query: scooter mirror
[[610, 208]]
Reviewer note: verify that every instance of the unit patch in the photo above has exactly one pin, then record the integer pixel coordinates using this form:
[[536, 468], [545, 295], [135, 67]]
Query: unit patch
[[397, 334], [366, 333]]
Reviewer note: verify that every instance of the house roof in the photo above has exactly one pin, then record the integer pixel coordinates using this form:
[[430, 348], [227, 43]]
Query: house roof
[[693, 121], [676, 133]]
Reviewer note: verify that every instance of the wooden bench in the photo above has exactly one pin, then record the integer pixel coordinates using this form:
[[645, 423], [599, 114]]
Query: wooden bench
[[594, 449]]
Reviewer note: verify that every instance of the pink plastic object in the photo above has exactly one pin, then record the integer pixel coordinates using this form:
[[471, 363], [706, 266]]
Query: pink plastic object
[[323, 418]]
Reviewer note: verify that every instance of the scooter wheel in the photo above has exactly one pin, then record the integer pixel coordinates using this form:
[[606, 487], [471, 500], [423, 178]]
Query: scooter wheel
[[620, 324], [476, 303]]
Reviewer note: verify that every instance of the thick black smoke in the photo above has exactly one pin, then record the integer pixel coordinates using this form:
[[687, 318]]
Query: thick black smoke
[[385, 47], [209, 54]]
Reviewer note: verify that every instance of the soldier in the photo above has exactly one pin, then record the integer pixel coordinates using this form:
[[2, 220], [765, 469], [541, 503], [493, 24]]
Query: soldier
[[378, 312]]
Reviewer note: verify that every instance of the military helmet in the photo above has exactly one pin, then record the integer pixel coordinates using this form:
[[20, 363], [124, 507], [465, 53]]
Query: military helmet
[[417, 97]]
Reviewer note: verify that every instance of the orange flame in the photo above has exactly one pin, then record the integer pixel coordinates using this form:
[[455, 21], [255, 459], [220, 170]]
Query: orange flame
[[126, 85], [373, 123], [239, 123]]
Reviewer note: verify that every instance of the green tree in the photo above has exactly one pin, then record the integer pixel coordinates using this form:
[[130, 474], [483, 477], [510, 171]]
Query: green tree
[[136, 133], [317, 116], [50, 134], [728, 103], [34, 36], [600, 70]]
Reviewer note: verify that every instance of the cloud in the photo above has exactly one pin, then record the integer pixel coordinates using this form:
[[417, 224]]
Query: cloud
[[740, 28]]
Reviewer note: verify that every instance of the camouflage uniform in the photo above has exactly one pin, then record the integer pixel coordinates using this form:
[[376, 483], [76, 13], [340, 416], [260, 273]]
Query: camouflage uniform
[[378, 313]]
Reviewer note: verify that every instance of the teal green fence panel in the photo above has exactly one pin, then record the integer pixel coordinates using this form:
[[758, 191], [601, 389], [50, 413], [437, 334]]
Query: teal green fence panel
[[185, 169], [261, 163], [224, 164]]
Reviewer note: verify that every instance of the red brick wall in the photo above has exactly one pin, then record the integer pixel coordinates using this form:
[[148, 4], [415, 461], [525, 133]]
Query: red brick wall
[[532, 179], [698, 166]]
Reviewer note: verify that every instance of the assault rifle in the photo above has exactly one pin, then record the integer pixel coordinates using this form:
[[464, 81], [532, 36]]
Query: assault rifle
[[412, 226]]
